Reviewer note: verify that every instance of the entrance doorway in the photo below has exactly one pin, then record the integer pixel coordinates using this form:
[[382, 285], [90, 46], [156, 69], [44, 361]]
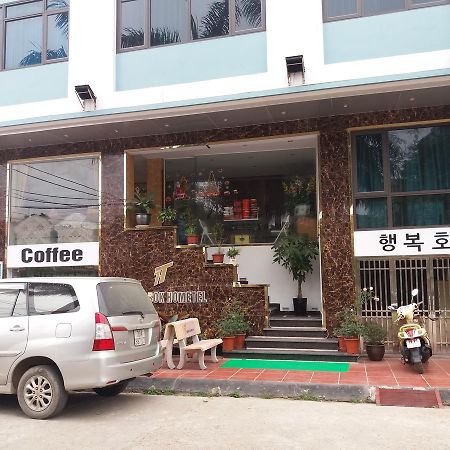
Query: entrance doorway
[[393, 279]]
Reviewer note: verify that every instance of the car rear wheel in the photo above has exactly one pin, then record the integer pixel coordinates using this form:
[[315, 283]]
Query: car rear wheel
[[114, 389], [41, 393]]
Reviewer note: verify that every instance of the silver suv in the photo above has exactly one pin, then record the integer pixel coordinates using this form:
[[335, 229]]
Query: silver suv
[[62, 334]]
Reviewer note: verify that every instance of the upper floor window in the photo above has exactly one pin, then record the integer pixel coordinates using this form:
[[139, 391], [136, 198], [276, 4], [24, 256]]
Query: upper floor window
[[150, 23], [34, 32], [402, 178], [349, 9]]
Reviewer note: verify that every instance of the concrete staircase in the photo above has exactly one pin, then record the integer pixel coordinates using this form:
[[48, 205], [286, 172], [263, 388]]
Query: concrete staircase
[[292, 337]]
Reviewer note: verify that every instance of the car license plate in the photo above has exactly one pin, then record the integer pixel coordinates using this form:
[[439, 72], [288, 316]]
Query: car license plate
[[413, 343], [139, 338]]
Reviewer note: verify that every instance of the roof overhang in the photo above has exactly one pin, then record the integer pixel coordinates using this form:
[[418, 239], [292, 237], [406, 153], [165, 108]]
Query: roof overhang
[[334, 101]]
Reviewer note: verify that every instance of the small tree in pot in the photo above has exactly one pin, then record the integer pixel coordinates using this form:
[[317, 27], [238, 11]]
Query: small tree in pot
[[296, 253], [219, 236], [374, 337], [142, 205], [167, 216]]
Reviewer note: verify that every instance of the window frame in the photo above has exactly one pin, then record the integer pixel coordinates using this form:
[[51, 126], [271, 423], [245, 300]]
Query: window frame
[[44, 14], [387, 192], [360, 10], [19, 287], [147, 25]]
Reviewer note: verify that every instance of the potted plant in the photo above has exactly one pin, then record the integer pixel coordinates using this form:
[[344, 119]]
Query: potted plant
[[241, 328], [142, 205], [296, 253], [218, 233], [232, 253], [192, 234], [374, 337], [167, 216], [351, 330], [226, 330], [341, 340]]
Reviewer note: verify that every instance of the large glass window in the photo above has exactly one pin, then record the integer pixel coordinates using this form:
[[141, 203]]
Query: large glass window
[[402, 178], [35, 32], [243, 198], [348, 9], [179, 21], [54, 201]]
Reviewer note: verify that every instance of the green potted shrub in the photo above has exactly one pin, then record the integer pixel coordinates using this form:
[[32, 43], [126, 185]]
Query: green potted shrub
[[351, 330], [167, 216], [232, 253], [241, 328], [296, 253], [192, 234], [219, 236], [225, 330], [374, 337], [142, 205]]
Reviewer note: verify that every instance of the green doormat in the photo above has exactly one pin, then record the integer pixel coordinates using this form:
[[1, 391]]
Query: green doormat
[[316, 366]]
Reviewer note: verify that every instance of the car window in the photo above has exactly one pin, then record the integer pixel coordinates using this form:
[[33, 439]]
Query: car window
[[20, 309], [119, 298], [8, 299], [52, 298]]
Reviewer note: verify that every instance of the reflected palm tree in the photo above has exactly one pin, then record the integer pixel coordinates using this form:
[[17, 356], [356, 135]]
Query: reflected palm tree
[[62, 22], [131, 37], [162, 36], [251, 10]]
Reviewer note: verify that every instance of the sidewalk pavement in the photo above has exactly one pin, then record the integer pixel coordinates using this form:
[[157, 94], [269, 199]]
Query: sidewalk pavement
[[358, 384]]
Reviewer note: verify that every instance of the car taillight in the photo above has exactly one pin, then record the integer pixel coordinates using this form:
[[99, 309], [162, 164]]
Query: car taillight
[[103, 334]]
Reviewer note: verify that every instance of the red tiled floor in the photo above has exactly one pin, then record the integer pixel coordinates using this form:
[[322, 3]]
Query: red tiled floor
[[389, 372]]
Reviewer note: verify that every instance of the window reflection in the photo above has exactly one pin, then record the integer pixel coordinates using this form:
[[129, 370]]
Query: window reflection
[[209, 18], [23, 43], [58, 36], [248, 14], [132, 27], [168, 21], [54, 201]]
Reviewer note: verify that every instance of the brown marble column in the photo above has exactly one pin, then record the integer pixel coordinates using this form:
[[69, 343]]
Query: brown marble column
[[338, 285]]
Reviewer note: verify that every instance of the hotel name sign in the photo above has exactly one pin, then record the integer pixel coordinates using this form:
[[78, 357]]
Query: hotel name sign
[[173, 296], [403, 242]]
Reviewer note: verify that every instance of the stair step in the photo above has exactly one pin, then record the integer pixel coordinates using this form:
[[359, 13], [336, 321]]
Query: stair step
[[305, 343], [295, 331], [299, 355], [295, 321]]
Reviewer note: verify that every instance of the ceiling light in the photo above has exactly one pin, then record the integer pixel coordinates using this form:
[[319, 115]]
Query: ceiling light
[[116, 131], [29, 140], [411, 99], [66, 135], [166, 125], [345, 105], [283, 113], [225, 120]]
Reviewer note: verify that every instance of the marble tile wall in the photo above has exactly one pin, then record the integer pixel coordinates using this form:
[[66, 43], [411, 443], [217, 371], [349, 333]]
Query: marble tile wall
[[137, 253]]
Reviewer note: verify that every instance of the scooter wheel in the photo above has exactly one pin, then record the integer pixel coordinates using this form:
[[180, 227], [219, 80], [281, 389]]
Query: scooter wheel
[[418, 366]]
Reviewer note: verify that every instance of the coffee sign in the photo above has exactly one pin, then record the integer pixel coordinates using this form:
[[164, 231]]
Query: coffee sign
[[53, 255]]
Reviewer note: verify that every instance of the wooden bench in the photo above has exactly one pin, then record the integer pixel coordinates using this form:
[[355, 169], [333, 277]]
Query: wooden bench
[[181, 331]]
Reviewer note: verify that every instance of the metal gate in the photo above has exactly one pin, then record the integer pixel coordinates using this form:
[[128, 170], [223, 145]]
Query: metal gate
[[393, 279]]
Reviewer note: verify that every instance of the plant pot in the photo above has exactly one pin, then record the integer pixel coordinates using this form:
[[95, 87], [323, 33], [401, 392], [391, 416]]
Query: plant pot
[[218, 258], [228, 344], [375, 352], [341, 344], [168, 223], [143, 219], [352, 345], [239, 341], [192, 239], [232, 261], [300, 306]]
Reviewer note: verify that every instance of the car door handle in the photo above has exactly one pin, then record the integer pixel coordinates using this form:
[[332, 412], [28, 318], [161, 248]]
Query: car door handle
[[17, 328]]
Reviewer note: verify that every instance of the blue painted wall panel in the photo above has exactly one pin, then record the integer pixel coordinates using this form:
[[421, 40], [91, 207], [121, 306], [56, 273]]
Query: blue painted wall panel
[[33, 84], [413, 31], [196, 61]]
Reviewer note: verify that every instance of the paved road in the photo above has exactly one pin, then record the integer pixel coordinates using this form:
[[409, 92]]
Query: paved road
[[137, 421]]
